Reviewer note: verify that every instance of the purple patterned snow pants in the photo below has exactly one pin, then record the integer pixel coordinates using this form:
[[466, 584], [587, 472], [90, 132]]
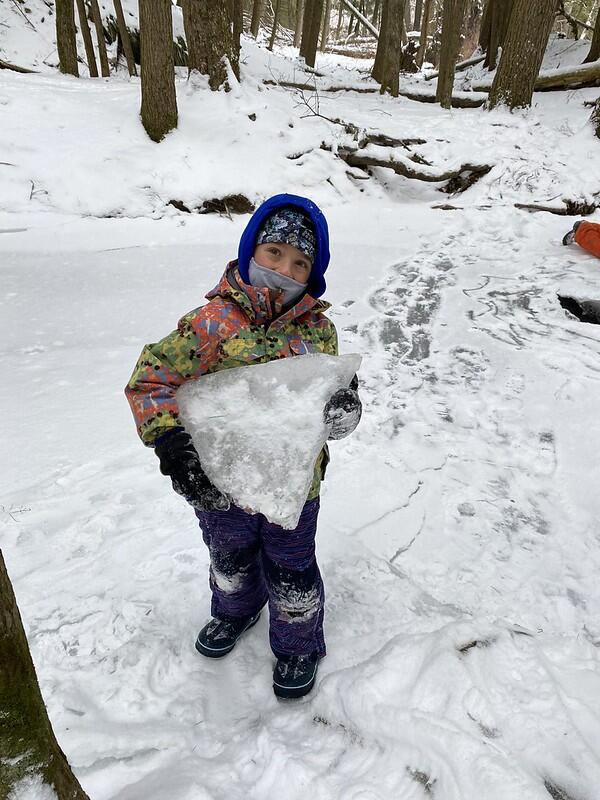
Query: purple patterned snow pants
[[253, 561]]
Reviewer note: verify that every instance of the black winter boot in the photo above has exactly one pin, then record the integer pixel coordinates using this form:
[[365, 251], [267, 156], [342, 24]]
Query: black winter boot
[[294, 676], [218, 637]]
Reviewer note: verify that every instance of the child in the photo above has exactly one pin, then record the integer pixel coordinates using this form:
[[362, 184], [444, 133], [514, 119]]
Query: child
[[586, 235], [265, 307]]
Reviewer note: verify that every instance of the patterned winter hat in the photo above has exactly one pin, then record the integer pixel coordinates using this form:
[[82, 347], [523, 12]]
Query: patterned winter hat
[[290, 226]]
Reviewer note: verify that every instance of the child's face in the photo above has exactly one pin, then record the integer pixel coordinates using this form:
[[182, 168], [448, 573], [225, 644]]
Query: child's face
[[284, 259]]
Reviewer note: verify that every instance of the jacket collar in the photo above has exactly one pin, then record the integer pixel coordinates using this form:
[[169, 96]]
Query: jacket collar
[[258, 302]]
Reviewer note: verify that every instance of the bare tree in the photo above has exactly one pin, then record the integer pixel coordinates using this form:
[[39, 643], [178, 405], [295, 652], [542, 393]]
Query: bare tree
[[27, 742], [418, 15], [494, 29], [313, 11], [212, 43], [407, 21], [192, 25], [326, 22], [392, 46], [306, 24], [97, 17], [125, 37], [66, 41], [594, 53], [159, 101], [427, 11], [256, 15], [87, 39], [299, 21], [378, 64], [454, 14], [237, 14], [275, 23], [526, 39], [376, 12]]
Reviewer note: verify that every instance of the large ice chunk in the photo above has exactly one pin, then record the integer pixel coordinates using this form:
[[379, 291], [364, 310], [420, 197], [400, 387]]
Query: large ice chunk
[[259, 429]]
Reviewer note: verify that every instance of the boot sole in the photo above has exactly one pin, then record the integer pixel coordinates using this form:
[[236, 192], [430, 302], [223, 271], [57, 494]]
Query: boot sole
[[219, 652]]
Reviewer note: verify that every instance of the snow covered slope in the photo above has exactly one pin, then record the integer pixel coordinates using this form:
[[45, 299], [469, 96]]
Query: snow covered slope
[[458, 537]]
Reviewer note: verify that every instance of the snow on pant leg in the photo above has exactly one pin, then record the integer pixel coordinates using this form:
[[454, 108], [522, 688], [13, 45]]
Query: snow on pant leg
[[235, 577], [296, 594]]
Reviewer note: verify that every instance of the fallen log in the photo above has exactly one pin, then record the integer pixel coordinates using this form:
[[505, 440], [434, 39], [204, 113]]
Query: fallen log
[[458, 101], [567, 78], [367, 158], [314, 88], [573, 21], [384, 140], [16, 68], [366, 22], [463, 65], [571, 208]]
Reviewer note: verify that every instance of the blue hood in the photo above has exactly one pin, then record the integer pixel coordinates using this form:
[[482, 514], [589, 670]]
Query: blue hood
[[316, 282]]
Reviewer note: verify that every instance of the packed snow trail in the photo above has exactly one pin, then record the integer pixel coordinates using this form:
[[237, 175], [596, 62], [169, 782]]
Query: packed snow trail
[[457, 539]]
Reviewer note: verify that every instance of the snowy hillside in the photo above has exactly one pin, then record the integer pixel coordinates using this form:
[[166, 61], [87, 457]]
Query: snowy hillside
[[458, 536]]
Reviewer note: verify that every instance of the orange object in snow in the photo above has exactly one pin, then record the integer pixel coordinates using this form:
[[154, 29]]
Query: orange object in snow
[[587, 236]]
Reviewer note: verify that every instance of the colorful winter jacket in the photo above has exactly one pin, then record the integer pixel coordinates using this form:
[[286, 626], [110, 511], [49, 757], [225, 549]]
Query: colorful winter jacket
[[587, 236], [238, 326]]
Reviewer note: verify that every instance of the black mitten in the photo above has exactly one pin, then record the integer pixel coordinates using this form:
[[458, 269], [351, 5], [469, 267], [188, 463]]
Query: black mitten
[[569, 237], [179, 460], [343, 411]]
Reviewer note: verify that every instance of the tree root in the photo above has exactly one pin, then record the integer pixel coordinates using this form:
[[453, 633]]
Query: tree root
[[458, 179]]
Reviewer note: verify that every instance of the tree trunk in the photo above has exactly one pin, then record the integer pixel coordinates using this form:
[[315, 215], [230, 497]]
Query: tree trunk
[[238, 27], [407, 18], [390, 73], [418, 15], [376, 10], [594, 53], [471, 28], [306, 25], [97, 17], [192, 26], [66, 41], [87, 39], [498, 19], [211, 43], [299, 20], [125, 38], [526, 39], [427, 9], [312, 31], [340, 19], [454, 13], [256, 15], [275, 22], [27, 742], [159, 101], [378, 64], [326, 19]]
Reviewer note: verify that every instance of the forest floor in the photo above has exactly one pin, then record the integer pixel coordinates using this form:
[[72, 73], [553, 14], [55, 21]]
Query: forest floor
[[458, 536]]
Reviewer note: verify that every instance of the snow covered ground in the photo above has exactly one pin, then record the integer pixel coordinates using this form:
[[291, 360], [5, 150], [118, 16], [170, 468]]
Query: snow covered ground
[[458, 536]]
